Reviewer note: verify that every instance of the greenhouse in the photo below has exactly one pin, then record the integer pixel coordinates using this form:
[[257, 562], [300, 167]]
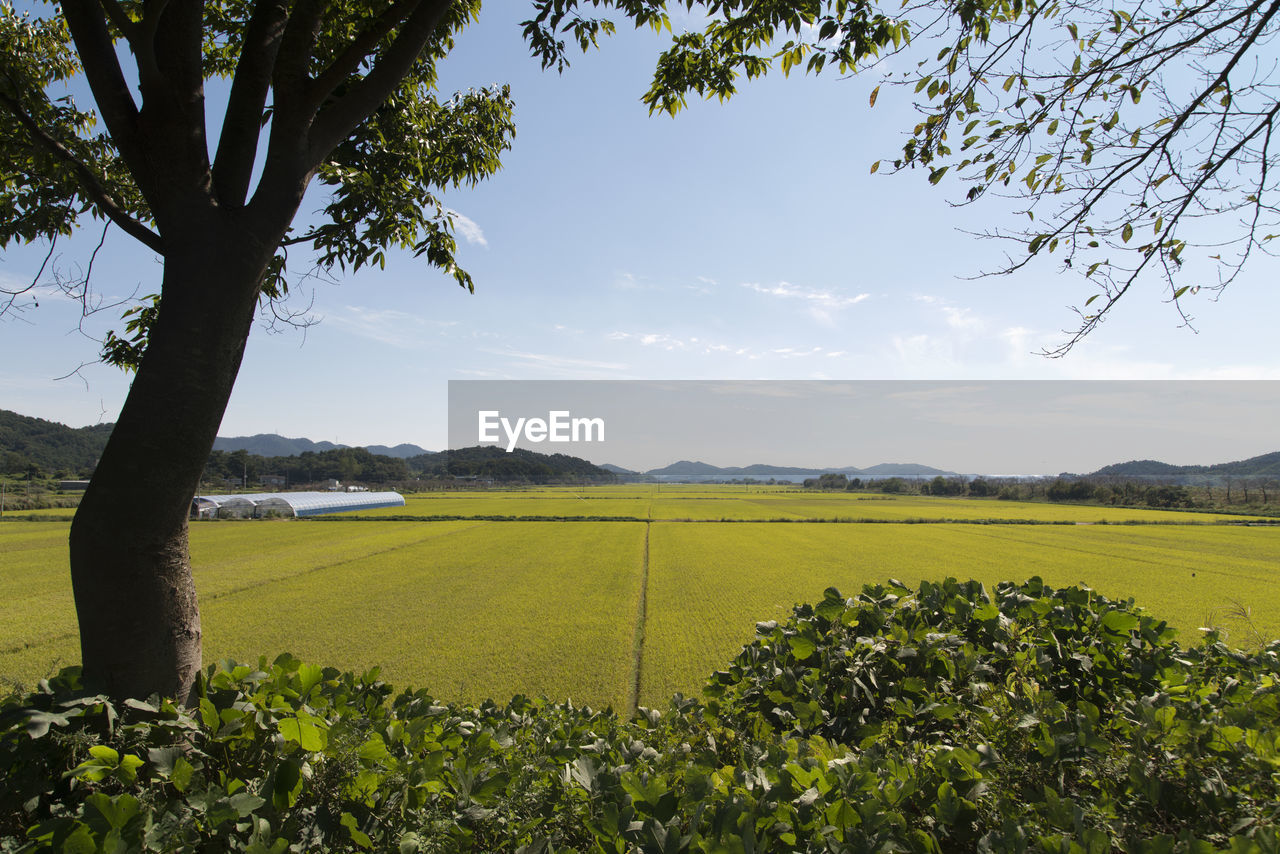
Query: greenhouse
[[259, 504]]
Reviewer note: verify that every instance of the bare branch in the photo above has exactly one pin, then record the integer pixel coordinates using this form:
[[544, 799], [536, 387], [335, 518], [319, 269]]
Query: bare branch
[[12, 295]]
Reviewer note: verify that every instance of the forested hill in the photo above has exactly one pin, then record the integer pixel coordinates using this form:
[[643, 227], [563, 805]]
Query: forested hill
[[1266, 465], [494, 463], [275, 445], [359, 466], [48, 447]]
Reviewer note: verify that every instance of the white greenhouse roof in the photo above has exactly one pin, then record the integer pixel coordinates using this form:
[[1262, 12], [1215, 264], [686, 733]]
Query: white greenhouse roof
[[303, 503]]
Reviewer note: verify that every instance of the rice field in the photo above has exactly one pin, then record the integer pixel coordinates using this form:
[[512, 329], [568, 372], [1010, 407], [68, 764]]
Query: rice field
[[596, 610], [709, 583], [755, 503]]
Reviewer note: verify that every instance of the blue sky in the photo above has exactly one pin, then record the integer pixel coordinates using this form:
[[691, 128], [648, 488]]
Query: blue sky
[[744, 240]]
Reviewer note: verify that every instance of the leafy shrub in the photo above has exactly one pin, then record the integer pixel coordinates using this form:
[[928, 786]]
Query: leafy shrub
[[935, 720]]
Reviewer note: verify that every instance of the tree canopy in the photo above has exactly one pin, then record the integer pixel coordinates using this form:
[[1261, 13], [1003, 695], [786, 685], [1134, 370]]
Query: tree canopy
[[340, 94]]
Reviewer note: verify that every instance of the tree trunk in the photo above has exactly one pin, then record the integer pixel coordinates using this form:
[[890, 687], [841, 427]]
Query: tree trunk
[[130, 568]]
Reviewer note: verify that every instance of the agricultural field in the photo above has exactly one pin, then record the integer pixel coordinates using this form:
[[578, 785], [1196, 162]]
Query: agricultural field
[[709, 583], [558, 504], [470, 609], [597, 611], [755, 503]]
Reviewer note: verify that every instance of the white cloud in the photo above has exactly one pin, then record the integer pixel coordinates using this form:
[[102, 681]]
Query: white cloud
[[467, 227], [387, 326], [962, 319], [630, 282], [563, 365], [795, 353], [654, 339], [823, 299]]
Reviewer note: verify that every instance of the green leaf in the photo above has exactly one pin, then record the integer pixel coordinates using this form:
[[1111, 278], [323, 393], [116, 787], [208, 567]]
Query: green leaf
[[245, 803], [309, 676], [1120, 622], [117, 811], [358, 836], [304, 731], [986, 611], [181, 775], [287, 784]]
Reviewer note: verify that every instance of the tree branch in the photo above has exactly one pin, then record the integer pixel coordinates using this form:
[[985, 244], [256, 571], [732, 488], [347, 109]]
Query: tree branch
[[288, 169], [242, 122], [358, 49], [340, 118], [173, 95], [89, 182], [290, 75], [102, 69]]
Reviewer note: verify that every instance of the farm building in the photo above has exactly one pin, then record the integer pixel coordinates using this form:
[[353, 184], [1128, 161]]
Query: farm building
[[261, 504]]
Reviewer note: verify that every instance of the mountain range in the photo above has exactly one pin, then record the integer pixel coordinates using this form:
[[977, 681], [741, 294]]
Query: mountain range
[[701, 469], [51, 447], [273, 445]]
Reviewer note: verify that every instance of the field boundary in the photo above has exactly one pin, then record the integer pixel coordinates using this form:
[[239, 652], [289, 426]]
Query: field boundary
[[794, 520], [642, 618]]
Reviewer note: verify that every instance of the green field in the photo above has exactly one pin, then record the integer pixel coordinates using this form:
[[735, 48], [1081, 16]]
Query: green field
[[742, 504], [473, 609]]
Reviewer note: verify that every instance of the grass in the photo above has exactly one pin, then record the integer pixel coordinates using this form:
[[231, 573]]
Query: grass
[[472, 609]]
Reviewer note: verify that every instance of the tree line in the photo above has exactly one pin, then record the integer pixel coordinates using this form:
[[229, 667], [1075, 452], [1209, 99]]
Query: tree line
[[1237, 492], [361, 466]]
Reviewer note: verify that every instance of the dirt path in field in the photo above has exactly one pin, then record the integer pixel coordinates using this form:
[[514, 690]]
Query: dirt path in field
[[642, 615]]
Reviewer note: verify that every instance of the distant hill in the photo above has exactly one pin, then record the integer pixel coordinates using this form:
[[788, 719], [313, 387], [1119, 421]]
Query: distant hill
[[49, 446], [913, 469], [617, 469], [402, 451], [1266, 465], [274, 445], [764, 469], [494, 463], [687, 467], [271, 445], [700, 469]]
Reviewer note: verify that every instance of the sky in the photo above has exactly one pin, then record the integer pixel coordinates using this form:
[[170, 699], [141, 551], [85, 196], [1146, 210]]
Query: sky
[[744, 240]]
